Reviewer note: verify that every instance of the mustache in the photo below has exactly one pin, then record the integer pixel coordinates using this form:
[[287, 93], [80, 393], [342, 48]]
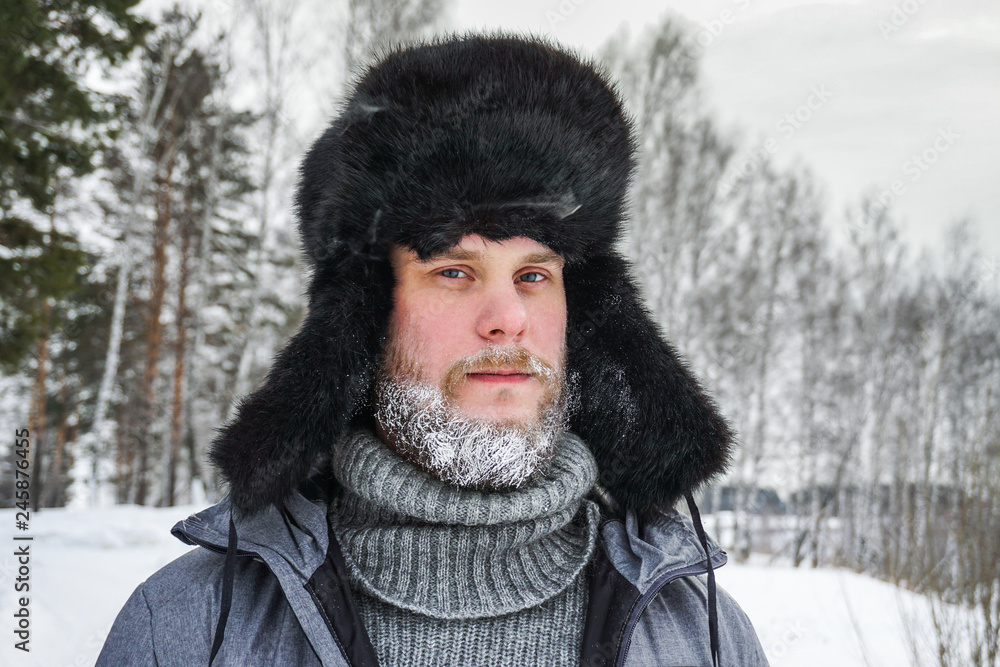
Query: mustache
[[496, 358]]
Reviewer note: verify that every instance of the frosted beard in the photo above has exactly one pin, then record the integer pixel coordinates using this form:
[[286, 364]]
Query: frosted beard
[[427, 429]]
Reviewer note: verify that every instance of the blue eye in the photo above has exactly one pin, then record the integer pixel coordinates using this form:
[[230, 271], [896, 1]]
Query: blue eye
[[541, 276], [455, 270]]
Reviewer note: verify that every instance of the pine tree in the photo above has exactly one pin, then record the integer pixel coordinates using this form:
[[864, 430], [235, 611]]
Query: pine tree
[[51, 126]]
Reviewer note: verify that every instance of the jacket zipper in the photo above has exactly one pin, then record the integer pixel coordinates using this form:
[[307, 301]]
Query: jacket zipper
[[644, 601]]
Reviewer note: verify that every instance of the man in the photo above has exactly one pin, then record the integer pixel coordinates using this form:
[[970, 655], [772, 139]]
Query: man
[[470, 452]]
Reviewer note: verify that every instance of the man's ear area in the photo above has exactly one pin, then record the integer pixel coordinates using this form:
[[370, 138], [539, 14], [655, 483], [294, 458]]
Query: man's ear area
[[402, 259], [399, 255]]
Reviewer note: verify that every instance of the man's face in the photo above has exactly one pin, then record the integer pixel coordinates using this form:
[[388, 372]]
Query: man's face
[[476, 356], [480, 295]]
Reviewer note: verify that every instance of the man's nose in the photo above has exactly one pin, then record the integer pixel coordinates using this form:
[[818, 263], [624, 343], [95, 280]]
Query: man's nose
[[503, 315]]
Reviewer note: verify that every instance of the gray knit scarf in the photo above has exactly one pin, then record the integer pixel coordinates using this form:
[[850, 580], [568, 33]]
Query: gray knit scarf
[[420, 544]]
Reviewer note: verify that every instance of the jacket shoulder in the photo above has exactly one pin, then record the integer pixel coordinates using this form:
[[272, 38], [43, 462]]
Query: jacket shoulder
[[143, 631], [195, 573], [171, 617]]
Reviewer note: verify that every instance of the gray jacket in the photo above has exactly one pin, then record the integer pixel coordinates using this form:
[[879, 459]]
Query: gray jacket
[[291, 604]]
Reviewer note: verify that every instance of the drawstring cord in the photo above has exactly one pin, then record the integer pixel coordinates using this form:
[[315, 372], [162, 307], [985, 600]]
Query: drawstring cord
[[713, 612], [228, 574]]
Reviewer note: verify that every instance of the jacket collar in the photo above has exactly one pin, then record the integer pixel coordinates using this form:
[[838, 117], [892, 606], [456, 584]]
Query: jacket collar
[[644, 553], [649, 553], [633, 563], [298, 534]]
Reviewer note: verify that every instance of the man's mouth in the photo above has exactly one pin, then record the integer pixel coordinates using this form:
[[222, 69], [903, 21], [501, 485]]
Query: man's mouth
[[500, 376]]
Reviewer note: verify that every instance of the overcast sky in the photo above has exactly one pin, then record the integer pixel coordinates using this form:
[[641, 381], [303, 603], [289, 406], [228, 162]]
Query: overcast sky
[[893, 80]]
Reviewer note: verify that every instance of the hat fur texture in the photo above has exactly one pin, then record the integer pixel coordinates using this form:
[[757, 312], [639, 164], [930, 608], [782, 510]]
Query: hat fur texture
[[501, 136]]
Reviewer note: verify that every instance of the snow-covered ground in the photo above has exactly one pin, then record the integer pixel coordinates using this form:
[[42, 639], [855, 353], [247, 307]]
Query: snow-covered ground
[[826, 617], [85, 563]]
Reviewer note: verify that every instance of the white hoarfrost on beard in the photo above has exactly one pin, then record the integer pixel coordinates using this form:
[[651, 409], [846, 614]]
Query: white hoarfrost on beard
[[464, 451]]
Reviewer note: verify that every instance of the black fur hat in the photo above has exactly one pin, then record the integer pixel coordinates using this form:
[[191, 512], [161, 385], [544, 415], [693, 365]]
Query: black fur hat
[[500, 136]]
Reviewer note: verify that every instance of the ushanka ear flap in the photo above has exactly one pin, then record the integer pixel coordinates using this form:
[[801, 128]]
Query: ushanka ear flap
[[653, 431], [315, 385]]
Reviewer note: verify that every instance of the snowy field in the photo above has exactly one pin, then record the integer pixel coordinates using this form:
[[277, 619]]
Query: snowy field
[[85, 564]]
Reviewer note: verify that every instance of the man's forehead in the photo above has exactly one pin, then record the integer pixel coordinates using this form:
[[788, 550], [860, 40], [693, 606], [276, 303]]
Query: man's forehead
[[476, 249]]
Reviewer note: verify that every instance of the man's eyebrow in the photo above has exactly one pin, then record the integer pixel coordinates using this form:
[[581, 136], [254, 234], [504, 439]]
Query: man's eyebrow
[[455, 254], [463, 255], [544, 257]]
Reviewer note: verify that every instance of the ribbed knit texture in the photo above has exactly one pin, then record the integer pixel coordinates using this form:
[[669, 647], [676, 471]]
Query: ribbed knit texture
[[445, 575]]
